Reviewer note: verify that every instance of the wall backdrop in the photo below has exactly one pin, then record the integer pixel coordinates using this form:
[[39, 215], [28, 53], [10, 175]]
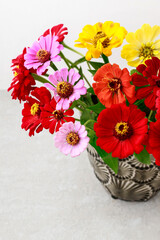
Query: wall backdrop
[[22, 22]]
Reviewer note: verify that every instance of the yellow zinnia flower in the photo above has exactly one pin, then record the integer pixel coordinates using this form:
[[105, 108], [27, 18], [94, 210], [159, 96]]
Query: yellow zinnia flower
[[141, 45], [101, 38]]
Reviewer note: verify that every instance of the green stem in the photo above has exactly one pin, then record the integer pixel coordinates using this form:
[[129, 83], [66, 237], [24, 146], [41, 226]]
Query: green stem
[[65, 59], [77, 119], [87, 128], [150, 115], [82, 73], [80, 109], [71, 49], [90, 120], [40, 78], [53, 66], [81, 103], [88, 65]]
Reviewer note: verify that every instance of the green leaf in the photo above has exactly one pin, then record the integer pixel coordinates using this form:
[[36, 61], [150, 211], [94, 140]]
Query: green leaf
[[141, 105], [107, 157], [105, 58], [87, 99], [90, 90], [81, 72], [86, 115], [134, 71], [97, 108], [80, 60], [74, 104], [90, 123], [92, 71], [96, 65], [143, 157]]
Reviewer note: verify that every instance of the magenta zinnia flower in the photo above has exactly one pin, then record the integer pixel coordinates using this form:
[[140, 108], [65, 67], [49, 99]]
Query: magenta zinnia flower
[[42, 53], [65, 89], [71, 138]]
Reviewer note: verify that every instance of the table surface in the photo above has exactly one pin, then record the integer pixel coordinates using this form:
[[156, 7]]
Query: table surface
[[45, 195]]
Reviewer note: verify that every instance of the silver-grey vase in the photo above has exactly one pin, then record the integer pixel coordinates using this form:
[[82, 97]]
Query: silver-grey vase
[[134, 182]]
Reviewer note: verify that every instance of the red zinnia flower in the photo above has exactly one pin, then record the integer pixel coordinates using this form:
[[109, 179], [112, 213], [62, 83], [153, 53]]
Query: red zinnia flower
[[154, 140], [149, 81], [121, 130], [112, 84], [32, 110], [23, 82], [52, 118], [158, 105], [58, 31]]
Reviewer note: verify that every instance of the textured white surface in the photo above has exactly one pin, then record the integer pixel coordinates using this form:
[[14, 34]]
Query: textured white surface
[[47, 196]]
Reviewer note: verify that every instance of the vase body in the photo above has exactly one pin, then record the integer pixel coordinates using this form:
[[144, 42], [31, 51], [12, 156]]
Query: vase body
[[134, 181]]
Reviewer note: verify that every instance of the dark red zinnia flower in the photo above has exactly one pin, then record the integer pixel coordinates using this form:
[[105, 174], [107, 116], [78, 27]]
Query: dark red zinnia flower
[[158, 105], [58, 31], [52, 118], [121, 130], [23, 82], [149, 81], [32, 110], [154, 140]]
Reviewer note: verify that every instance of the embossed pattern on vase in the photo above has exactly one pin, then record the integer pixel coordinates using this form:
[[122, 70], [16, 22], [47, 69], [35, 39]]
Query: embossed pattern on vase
[[134, 181]]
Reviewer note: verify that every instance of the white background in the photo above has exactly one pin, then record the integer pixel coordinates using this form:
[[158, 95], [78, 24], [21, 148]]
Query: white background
[[22, 22]]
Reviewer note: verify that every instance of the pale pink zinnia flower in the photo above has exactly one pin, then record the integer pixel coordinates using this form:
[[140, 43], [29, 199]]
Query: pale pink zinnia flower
[[64, 87], [42, 53], [71, 138]]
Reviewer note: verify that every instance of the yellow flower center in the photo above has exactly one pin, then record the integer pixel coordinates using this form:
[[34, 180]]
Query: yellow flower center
[[114, 84], [146, 50], [43, 55], [64, 89], [34, 109], [15, 73], [123, 130], [72, 138], [58, 114], [98, 36]]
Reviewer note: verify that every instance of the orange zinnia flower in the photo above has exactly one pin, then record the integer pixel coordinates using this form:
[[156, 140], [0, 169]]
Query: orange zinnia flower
[[112, 84]]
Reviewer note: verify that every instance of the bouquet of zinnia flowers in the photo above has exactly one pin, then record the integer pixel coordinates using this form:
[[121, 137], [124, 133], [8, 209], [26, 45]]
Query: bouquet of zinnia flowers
[[120, 111]]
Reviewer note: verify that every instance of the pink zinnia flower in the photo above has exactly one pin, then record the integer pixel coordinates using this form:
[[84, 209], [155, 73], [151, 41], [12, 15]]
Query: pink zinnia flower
[[158, 105], [42, 53], [71, 138], [65, 89]]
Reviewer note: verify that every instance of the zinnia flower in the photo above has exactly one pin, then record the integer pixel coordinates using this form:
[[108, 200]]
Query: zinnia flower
[[149, 81], [142, 45], [101, 38], [121, 130], [32, 109], [158, 105], [65, 89], [58, 31], [23, 82], [112, 83], [154, 140], [71, 139], [52, 118], [42, 53]]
